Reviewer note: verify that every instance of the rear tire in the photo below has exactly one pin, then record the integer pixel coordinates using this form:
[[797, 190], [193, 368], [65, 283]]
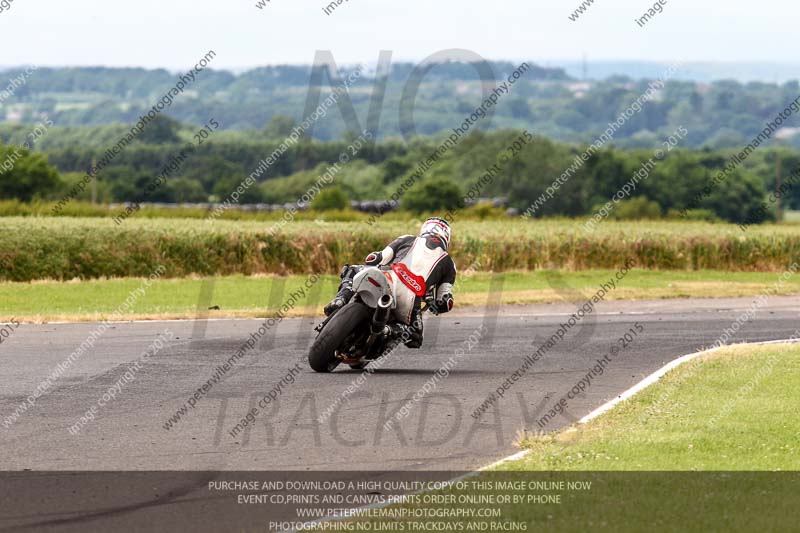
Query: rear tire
[[322, 356]]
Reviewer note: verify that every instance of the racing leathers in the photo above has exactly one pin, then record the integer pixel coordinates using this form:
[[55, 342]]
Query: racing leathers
[[419, 266]]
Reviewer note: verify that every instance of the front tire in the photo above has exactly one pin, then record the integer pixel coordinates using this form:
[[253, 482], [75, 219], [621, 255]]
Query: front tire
[[322, 356]]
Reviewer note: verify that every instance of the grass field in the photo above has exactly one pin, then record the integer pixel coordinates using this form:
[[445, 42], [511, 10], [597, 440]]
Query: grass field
[[713, 446], [65, 248], [791, 217], [76, 209], [240, 296], [730, 410]]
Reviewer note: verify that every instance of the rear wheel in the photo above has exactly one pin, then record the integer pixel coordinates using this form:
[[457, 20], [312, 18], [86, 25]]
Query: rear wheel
[[333, 337]]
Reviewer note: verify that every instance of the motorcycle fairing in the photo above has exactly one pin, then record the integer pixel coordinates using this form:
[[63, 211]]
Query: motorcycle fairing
[[371, 284]]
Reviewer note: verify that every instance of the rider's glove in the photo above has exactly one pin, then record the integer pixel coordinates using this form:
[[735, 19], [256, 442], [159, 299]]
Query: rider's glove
[[374, 259], [444, 304]]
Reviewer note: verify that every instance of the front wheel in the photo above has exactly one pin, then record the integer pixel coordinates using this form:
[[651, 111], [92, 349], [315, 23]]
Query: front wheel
[[333, 337]]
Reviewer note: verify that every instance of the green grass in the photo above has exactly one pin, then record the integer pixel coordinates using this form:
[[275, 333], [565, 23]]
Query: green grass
[[791, 217], [64, 248], [236, 296], [241, 296], [731, 410], [14, 208], [712, 446]]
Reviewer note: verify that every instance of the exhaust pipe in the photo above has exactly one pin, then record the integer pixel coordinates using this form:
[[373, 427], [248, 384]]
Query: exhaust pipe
[[381, 316]]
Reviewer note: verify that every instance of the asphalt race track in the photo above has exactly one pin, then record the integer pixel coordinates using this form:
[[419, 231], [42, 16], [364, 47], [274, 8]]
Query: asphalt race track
[[439, 433], [55, 480]]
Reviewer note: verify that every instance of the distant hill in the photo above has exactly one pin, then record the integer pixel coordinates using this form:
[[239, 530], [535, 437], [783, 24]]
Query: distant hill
[[703, 72], [551, 102]]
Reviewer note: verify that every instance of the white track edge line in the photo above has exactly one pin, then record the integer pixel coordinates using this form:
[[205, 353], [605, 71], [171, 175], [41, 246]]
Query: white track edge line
[[646, 382], [658, 374]]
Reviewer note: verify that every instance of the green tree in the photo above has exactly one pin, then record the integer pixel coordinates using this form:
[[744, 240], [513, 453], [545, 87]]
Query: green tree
[[160, 130], [519, 108], [434, 194], [739, 198], [394, 167], [186, 190], [636, 209], [279, 127], [330, 198], [26, 176], [228, 187]]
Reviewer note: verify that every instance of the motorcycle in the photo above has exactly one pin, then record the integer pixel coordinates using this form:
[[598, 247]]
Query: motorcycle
[[357, 333]]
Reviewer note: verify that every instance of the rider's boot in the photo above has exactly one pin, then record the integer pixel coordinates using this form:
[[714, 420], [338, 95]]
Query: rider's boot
[[415, 330], [345, 290], [339, 301], [395, 334]]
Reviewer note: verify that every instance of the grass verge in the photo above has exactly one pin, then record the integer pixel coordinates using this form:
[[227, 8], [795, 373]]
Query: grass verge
[[255, 296], [713, 446], [730, 410]]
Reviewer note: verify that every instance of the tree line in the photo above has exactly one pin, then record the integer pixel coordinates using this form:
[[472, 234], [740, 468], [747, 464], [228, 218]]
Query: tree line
[[217, 167]]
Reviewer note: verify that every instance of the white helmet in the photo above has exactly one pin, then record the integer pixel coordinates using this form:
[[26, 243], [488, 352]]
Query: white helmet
[[437, 227]]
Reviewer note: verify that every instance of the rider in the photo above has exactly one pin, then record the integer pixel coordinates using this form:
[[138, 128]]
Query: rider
[[412, 259]]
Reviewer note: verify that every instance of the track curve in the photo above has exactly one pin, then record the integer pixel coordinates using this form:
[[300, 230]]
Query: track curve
[[439, 432]]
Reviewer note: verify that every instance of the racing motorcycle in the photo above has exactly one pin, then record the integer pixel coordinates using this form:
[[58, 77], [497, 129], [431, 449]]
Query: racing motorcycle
[[358, 333]]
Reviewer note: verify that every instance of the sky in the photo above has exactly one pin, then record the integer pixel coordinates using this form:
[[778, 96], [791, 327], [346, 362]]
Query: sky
[[175, 33]]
